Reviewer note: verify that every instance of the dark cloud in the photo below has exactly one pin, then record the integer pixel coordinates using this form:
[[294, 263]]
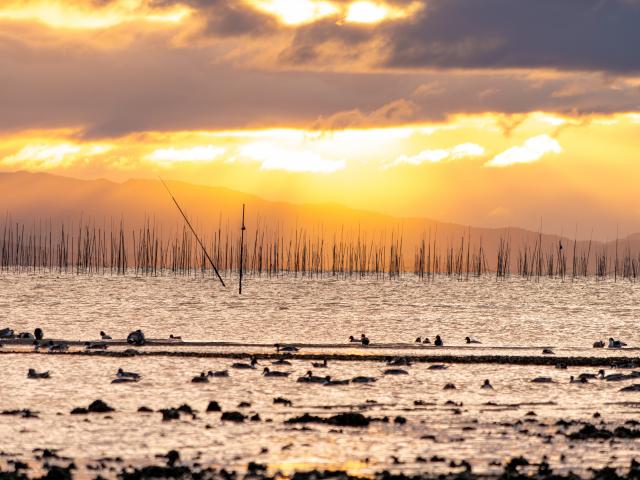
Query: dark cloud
[[52, 78], [554, 34]]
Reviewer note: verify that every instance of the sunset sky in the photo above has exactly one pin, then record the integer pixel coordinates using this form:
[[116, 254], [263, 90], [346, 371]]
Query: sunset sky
[[481, 112]]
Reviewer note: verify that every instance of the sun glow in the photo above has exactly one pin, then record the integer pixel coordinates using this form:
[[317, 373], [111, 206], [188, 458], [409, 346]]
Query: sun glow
[[297, 12], [366, 12], [62, 14], [301, 12], [197, 154]]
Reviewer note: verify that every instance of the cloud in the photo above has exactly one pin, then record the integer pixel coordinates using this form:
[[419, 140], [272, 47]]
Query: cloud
[[531, 151], [274, 157], [493, 34], [439, 155], [198, 154], [51, 156]]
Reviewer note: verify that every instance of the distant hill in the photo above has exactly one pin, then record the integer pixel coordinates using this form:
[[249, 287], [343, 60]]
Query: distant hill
[[35, 199]]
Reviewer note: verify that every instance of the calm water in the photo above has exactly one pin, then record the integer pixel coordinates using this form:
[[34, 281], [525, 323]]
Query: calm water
[[507, 314], [511, 313]]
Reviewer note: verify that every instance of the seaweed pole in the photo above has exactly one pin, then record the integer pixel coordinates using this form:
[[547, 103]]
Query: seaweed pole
[[242, 229], [194, 232]]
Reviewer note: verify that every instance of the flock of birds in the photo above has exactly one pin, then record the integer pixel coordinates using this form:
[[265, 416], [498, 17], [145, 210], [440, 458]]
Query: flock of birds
[[395, 365], [137, 338]]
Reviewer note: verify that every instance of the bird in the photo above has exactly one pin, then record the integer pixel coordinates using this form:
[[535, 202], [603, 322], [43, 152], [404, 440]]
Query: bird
[[438, 342], [218, 374], [202, 378], [95, 345], [269, 373], [26, 336], [419, 340], [333, 383], [245, 366], [598, 344], [31, 373], [57, 347], [470, 340], [426, 340], [353, 339], [487, 385], [542, 380], [547, 351], [587, 376], [309, 377], [449, 386], [6, 333], [364, 340], [395, 371], [174, 337], [322, 364], [286, 348], [104, 336], [615, 377], [438, 367], [122, 374], [616, 343], [578, 380], [362, 379], [394, 362], [281, 361], [38, 333], [136, 338]]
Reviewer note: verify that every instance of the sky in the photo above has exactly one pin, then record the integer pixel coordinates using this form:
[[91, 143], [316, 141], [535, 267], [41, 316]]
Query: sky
[[480, 112]]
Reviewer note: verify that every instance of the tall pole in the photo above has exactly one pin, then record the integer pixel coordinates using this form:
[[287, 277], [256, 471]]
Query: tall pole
[[242, 229], [186, 220]]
